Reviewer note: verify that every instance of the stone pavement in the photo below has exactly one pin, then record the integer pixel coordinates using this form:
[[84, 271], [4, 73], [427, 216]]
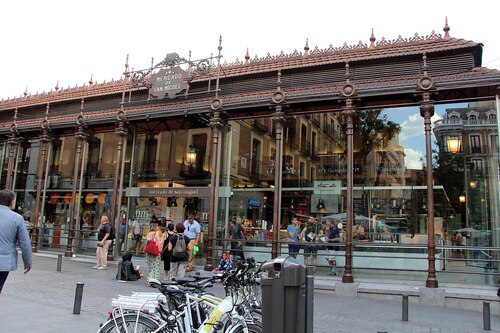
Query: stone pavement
[[43, 300]]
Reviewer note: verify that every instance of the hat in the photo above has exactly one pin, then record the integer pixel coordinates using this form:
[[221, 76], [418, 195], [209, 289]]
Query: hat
[[340, 226]]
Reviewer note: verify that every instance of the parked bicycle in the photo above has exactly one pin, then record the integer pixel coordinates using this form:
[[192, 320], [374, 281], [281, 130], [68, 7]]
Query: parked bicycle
[[185, 306]]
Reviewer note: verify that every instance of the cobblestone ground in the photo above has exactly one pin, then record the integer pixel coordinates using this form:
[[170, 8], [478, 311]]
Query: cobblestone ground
[[42, 301]]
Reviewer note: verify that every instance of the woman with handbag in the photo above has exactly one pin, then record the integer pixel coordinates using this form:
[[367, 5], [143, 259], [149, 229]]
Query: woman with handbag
[[153, 250]]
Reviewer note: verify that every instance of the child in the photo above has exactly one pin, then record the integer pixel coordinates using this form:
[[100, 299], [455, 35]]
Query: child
[[225, 264]]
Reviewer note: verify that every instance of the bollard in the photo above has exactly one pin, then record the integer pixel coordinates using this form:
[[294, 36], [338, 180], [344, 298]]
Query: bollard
[[309, 299], [405, 308], [486, 316], [59, 262], [78, 298]]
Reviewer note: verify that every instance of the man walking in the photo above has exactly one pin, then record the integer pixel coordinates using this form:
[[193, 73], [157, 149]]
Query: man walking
[[12, 231], [192, 229]]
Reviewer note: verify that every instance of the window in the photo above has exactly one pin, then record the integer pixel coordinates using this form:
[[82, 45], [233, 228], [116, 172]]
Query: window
[[476, 164], [475, 143]]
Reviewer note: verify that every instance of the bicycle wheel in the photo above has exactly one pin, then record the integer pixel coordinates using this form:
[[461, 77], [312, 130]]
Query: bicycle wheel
[[238, 328], [127, 323]]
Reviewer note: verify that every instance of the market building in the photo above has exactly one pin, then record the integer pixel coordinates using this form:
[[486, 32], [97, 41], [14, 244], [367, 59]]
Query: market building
[[343, 133]]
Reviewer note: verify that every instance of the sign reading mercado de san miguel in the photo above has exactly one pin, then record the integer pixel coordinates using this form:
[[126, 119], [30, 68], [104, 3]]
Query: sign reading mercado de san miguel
[[168, 81]]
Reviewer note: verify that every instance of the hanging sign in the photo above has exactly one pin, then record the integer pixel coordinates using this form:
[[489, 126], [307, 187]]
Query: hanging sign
[[168, 81], [327, 186]]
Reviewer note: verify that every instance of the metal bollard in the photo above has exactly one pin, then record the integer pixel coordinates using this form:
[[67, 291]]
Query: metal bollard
[[486, 316], [59, 262], [78, 298], [309, 299], [405, 308]]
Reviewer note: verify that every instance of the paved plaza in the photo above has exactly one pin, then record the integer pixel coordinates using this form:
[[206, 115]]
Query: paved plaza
[[43, 300]]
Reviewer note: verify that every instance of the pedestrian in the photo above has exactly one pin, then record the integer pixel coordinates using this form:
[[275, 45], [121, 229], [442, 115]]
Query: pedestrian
[[236, 239], [136, 236], [121, 220], [166, 254], [293, 231], [309, 235], [153, 261], [192, 229], [105, 240], [12, 231], [178, 264]]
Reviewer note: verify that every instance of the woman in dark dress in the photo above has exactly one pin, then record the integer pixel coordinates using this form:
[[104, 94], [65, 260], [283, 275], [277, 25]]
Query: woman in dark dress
[[166, 254]]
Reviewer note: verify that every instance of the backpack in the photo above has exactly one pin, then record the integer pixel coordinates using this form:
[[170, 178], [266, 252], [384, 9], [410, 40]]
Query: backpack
[[179, 250], [112, 233]]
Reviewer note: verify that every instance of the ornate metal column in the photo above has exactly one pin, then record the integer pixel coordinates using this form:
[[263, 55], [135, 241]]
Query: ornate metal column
[[13, 143], [80, 136], [278, 120], [122, 132], [216, 123], [348, 92], [40, 176], [426, 85]]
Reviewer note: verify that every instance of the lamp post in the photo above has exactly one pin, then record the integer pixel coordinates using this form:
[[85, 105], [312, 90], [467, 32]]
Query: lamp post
[[454, 144]]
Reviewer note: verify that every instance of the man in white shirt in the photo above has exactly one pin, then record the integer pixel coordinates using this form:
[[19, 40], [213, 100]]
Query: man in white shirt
[[192, 229]]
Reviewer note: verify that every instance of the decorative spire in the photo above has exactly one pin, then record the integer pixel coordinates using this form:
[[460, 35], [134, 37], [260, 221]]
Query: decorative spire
[[306, 48], [446, 29], [25, 93], [57, 86], [347, 73], [45, 121], [372, 40], [424, 65], [91, 82], [247, 57]]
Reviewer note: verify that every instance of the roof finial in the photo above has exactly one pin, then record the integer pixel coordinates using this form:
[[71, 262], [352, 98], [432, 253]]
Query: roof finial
[[247, 57], [306, 48], [446, 29], [57, 86], [91, 82], [26, 91], [372, 40]]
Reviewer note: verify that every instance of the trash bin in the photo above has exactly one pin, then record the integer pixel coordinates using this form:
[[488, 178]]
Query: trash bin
[[284, 296]]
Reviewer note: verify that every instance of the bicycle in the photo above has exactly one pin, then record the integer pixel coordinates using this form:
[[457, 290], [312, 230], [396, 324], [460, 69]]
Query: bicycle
[[183, 312]]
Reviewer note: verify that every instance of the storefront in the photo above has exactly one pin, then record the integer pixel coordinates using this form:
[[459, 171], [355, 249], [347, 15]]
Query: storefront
[[337, 133]]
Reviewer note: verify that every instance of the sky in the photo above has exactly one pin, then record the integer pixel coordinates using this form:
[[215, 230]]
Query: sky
[[65, 43], [44, 42]]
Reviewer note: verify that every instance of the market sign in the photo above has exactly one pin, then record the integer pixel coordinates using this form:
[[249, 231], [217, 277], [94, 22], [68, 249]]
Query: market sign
[[173, 192], [327, 186], [168, 81]]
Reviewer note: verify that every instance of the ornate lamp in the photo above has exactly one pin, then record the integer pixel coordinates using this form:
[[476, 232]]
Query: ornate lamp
[[454, 144]]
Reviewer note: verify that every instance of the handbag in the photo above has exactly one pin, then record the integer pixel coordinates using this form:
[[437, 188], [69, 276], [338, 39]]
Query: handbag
[[152, 248]]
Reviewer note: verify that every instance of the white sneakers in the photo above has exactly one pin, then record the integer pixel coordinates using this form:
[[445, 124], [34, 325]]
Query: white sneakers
[[102, 267]]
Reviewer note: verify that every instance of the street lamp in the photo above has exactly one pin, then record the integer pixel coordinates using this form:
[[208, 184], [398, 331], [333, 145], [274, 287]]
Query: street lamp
[[191, 157], [454, 144]]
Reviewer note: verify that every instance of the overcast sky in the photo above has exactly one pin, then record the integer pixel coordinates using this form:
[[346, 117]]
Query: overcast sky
[[68, 41]]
